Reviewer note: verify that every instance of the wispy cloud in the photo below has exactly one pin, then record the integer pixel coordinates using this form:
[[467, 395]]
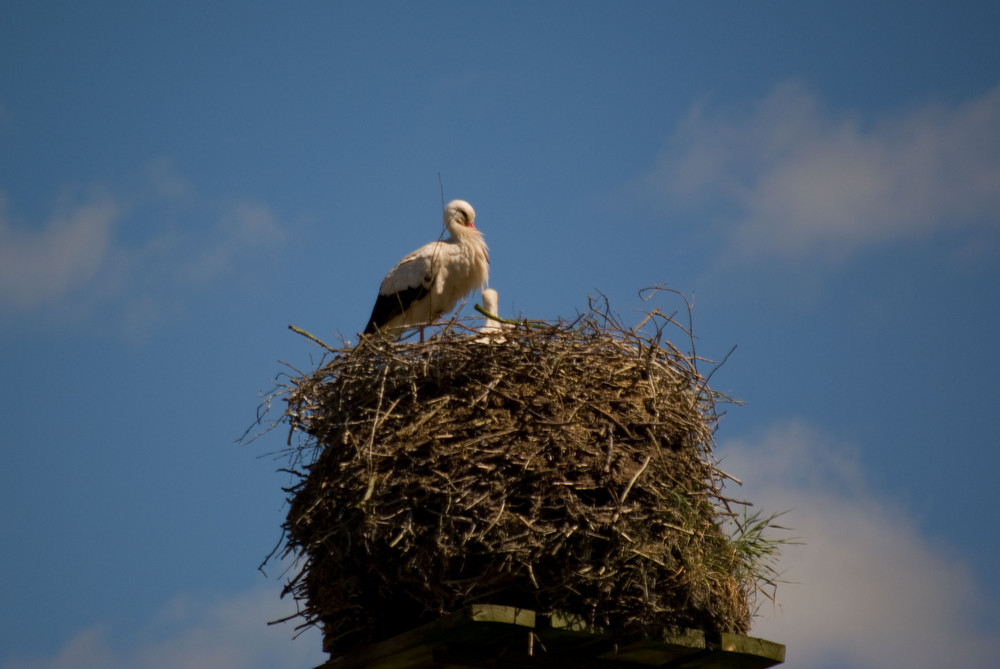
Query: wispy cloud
[[789, 178], [132, 253], [867, 588], [242, 228], [192, 633], [40, 267]]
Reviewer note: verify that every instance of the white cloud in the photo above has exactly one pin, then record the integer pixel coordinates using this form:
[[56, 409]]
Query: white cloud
[[795, 180], [193, 633], [138, 254], [867, 589], [39, 268]]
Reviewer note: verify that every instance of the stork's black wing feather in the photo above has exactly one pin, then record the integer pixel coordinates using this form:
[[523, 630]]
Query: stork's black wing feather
[[391, 305]]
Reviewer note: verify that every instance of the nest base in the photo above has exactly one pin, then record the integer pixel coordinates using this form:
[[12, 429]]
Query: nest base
[[482, 635]]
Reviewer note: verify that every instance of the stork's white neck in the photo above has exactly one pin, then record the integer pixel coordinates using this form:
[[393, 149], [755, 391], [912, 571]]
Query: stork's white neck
[[463, 234]]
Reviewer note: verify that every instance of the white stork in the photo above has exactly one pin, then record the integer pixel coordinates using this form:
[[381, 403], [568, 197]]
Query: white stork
[[430, 281]]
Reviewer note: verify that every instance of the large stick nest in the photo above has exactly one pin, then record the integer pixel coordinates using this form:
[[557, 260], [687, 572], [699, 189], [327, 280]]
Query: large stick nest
[[566, 468]]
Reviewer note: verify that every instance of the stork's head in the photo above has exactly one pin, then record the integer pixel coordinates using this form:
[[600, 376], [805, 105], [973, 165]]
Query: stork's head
[[459, 214]]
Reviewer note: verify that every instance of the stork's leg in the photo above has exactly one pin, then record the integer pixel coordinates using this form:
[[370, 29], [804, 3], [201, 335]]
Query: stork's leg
[[421, 334]]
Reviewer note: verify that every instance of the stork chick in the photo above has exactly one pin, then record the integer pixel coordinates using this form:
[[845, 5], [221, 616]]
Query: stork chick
[[491, 327]]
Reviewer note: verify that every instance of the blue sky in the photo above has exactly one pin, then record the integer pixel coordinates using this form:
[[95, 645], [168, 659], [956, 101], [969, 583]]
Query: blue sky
[[180, 182]]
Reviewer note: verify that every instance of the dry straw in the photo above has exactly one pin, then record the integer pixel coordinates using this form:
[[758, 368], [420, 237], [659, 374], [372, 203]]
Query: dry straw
[[567, 468]]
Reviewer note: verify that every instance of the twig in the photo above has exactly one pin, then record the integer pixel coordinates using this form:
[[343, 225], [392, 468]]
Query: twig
[[635, 478], [309, 336], [505, 321], [628, 488]]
